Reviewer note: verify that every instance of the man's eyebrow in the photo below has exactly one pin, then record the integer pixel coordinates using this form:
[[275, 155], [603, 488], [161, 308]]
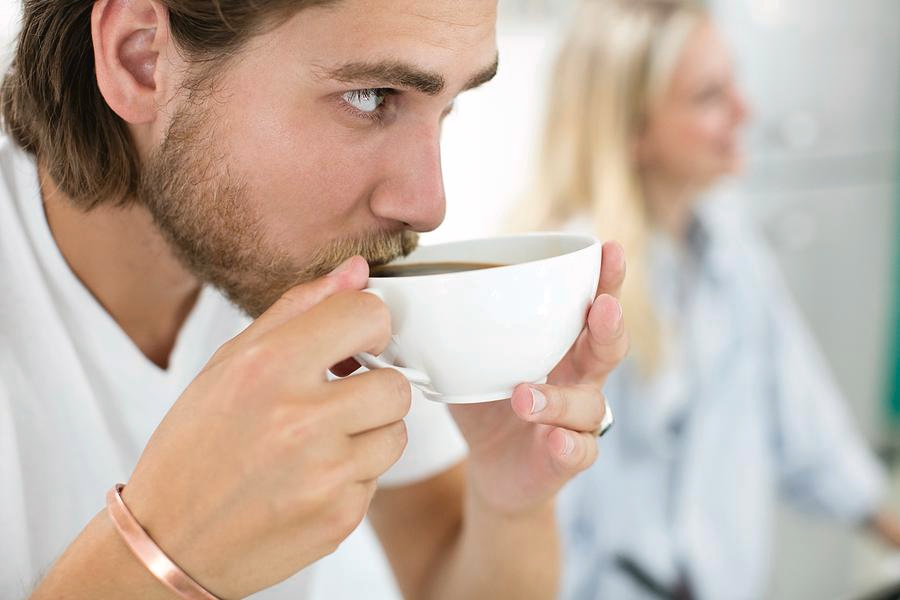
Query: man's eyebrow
[[401, 75], [483, 77]]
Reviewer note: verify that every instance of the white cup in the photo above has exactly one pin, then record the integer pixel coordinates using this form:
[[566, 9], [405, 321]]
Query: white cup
[[472, 336]]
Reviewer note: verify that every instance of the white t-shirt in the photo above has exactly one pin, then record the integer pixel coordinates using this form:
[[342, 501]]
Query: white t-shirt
[[78, 400]]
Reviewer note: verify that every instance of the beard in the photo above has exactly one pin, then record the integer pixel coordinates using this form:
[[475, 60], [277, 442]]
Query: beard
[[204, 213]]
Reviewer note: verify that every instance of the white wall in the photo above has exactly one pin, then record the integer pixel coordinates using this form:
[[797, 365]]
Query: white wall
[[489, 138]]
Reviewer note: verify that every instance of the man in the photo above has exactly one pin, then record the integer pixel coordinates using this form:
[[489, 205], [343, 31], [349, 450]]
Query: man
[[173, 148]]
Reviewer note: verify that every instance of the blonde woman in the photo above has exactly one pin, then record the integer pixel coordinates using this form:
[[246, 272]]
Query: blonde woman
[[725, 401]]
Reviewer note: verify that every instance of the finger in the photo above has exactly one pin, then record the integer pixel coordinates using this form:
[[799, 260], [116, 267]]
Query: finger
[[579, 408], [374, 452], [571, 452], [612, 270], [345, 368], [370, 400], [604, 343], [600, 347], [352, 274], [346, 512], [369, 487], [330, 332]]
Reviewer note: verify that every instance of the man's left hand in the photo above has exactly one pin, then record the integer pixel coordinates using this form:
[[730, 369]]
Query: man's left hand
[[523, 451]]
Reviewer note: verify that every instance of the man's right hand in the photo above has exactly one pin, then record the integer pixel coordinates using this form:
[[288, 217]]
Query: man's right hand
[[263, 466]]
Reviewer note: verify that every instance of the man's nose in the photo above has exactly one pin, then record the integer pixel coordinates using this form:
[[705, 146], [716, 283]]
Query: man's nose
[[412, 191]]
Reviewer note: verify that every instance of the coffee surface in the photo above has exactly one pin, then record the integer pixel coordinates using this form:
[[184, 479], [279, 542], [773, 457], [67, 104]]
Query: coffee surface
[[430, 268]]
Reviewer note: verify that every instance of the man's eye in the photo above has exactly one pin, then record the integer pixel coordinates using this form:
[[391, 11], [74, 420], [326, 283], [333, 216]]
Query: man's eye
[[366, 101]]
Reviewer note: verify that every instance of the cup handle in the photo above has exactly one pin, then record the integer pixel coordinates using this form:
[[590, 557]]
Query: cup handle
[[371, 361]]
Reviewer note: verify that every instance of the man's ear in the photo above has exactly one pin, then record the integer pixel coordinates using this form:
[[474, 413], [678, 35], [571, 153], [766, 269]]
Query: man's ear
[[130, 40]]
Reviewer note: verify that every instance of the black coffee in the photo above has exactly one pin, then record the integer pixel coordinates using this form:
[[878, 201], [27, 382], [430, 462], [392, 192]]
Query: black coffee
[[433, 268]]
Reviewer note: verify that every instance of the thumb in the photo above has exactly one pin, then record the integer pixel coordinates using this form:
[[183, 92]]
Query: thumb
[[352, 274]]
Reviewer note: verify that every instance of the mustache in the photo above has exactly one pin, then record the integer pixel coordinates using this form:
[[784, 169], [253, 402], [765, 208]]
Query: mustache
[[377, 248], [273, 278]]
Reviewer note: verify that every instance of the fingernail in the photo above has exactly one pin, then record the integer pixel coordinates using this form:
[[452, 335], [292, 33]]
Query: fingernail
[[618, 312], [570, 445], [538, 401], [341, 268]]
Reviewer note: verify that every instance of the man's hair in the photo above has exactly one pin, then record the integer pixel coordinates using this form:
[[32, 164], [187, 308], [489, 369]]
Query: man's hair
[[52, 106]]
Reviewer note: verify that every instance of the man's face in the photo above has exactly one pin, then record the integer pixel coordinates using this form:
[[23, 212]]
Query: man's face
[[320, 141]]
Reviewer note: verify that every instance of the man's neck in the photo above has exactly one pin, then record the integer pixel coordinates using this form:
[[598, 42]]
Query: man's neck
[[122, 259]]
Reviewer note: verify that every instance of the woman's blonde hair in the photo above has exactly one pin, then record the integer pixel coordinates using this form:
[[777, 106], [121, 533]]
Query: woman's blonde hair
[[615, 64]]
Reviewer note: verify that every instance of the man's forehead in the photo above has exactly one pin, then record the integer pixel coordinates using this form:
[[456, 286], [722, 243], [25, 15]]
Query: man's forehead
[[455, 13], [404, 39], [433, 21]]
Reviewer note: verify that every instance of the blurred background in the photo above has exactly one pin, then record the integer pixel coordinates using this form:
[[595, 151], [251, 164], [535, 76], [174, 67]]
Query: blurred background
[[823, 81]]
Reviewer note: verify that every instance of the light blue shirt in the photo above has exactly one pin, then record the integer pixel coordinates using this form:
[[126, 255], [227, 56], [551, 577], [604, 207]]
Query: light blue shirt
[[744, 408]]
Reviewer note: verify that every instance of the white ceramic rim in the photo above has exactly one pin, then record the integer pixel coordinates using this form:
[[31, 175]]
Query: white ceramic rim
[[589, 240]]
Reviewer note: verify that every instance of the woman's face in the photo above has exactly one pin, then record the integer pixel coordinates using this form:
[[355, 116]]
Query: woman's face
[[691, 136]]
